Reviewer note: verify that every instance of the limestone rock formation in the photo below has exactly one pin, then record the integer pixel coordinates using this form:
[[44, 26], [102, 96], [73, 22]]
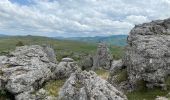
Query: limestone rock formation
[[101, 60], [88, 86], [65, 68], [118, 76], [87, 63], [103, 57], [26, 70], [147, 55], [50, 53]]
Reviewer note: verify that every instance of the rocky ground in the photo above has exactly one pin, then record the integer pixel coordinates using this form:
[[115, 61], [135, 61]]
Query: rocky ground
[[33, 73], [26, 71]]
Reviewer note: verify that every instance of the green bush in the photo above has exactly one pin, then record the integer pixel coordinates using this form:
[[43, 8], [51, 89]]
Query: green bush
[[121, 76], [20, 43], [102, 73]]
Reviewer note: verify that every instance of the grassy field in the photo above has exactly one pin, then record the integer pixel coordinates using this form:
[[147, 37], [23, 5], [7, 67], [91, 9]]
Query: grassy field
[[63, 48]]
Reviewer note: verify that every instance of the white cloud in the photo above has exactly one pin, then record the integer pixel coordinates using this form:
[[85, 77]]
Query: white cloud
[[79, 17], [136, 19]]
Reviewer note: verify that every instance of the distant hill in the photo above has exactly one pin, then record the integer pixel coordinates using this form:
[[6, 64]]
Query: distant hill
[[116, 40], [63, 48], [2, 35]]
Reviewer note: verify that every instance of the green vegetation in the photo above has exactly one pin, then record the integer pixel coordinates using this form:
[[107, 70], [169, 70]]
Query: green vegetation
[[121, 76], [19, 43], [63, 48], [4, 95], [102, 73], [117, 52], [1, 72], [146, 94], [53, 87], [142, 93]]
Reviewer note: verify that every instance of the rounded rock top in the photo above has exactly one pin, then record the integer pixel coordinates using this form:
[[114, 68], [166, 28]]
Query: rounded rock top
[[67, 60]]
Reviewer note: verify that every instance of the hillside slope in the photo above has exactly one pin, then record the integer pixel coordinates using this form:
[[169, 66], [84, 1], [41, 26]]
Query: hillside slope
[[116, 40], [63, 48]]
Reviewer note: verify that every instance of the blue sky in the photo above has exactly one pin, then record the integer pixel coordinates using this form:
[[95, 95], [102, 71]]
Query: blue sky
[[70, 18]]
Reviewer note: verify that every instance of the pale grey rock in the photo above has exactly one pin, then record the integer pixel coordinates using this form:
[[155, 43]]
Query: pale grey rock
[[116, 65], [26, 70], [3, 60], [161, 98], [87, 63], [65, 68], [103, 58], [88, 86], [147, 55], [67, 60], [50, 53], [39, 95]]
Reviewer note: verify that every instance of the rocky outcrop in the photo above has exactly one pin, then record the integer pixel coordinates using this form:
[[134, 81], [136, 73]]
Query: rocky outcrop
[[103, 58], [65, 68], [87, 63], [88, 86], [26, 70], [41, 94], [118, 76], [50, 53], [147, 55]]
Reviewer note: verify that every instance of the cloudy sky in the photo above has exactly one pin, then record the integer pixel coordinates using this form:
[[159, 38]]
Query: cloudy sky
[[70, 18]]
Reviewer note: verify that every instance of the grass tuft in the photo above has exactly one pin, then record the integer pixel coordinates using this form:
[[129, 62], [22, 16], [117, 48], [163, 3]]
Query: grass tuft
[[53, 87], [102, 73], [143, 93], [121, 76]]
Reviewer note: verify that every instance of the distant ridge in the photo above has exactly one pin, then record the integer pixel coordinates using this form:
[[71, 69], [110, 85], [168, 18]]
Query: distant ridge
[[117, 40], [2, 35]]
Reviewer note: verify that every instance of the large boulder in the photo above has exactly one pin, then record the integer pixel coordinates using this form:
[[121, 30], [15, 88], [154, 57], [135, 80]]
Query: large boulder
[[65, 68], [103, 58], [50, 53], [147, 55], [87, 63], [26, 70], [88, 86]]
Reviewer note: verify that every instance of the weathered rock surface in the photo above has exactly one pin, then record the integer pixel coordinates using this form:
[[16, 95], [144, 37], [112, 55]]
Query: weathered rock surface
[[65, 68], [26, 70], [103, 57], [117, 66], [147, 55], [101, 60], [88, 86], [87, 63], [118, 76], [50, 53], [39, 95]]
